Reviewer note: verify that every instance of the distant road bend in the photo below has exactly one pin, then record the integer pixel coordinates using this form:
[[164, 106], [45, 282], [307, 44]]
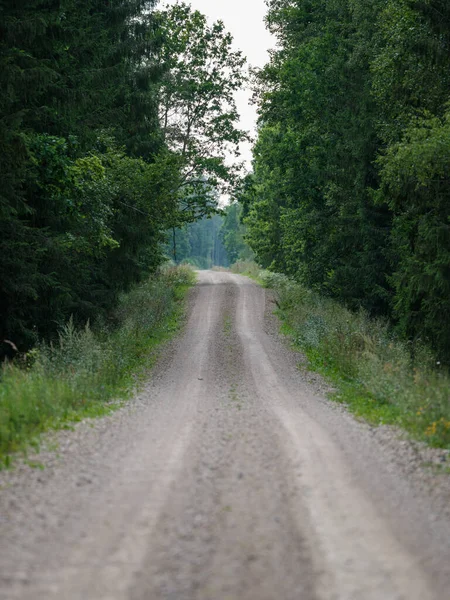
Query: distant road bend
[[228, 478]]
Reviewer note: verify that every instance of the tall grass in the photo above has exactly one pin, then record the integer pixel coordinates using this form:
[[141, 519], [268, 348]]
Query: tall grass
[[379, 375], [84, 370], [246, 267]]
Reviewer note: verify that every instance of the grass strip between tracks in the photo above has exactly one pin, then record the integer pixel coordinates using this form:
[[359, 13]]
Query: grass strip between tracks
[[87, 373], [378, 375]]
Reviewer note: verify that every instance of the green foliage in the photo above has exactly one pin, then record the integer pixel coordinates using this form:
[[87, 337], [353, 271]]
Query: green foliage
[[412, 86], [232, 234], [90, 175], [248, 268], [416, 176], [370, 365], [349, 190], [199, 244], [97, 224], [197, 107], [310, 213], [83, 372], [68, 72]]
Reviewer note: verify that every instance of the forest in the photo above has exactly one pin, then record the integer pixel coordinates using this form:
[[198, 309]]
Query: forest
[[115, 121], [217, 241], [350, 191]]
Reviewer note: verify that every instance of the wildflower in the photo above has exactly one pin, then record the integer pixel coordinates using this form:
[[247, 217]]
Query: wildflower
[[431, 430]]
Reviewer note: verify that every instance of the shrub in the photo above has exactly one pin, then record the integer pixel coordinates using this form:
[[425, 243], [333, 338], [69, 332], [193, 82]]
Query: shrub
[[404, 384], [83, 369], [246, 267]]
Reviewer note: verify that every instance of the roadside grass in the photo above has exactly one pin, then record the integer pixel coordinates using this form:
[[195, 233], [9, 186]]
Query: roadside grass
[[87, 373], [248, 268], [379, 376]]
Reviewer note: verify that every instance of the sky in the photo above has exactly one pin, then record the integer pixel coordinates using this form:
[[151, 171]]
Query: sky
[[244, 19]]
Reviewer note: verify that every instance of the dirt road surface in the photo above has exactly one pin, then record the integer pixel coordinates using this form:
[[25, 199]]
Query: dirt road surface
[[228, 478]]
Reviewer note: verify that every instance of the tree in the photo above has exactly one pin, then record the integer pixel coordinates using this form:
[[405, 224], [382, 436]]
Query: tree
[[200, 243], [232, 234], [416, 178], [349, 191], [313, 215], [197, 107], [412, 87], [90, 179], [77, 84]]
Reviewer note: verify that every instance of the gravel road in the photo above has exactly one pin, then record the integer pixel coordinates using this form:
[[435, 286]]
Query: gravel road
[[230, 477]]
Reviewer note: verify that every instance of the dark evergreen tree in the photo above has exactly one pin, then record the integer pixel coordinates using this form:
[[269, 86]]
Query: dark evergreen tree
[[412, 87], [69, 72], [232, 234]]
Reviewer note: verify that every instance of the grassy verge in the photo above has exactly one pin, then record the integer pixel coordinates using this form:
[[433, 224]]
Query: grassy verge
[[374, 372], [87, 373], [247, 268]]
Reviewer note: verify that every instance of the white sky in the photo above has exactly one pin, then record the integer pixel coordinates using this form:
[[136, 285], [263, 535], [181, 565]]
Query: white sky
[[244, 20]]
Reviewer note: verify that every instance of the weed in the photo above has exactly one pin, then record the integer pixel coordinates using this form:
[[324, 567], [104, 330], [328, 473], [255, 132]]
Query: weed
[[33, 464], [371, 367], [227, 325], [84, 371], [438, 469], [246, 267], [374, 371]]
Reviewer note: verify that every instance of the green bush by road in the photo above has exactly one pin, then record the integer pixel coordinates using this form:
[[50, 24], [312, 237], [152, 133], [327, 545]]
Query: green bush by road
[[85, 371], [377, 374]]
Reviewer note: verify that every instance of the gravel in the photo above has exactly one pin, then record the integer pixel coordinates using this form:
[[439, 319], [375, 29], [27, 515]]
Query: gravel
[[229, 476]]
